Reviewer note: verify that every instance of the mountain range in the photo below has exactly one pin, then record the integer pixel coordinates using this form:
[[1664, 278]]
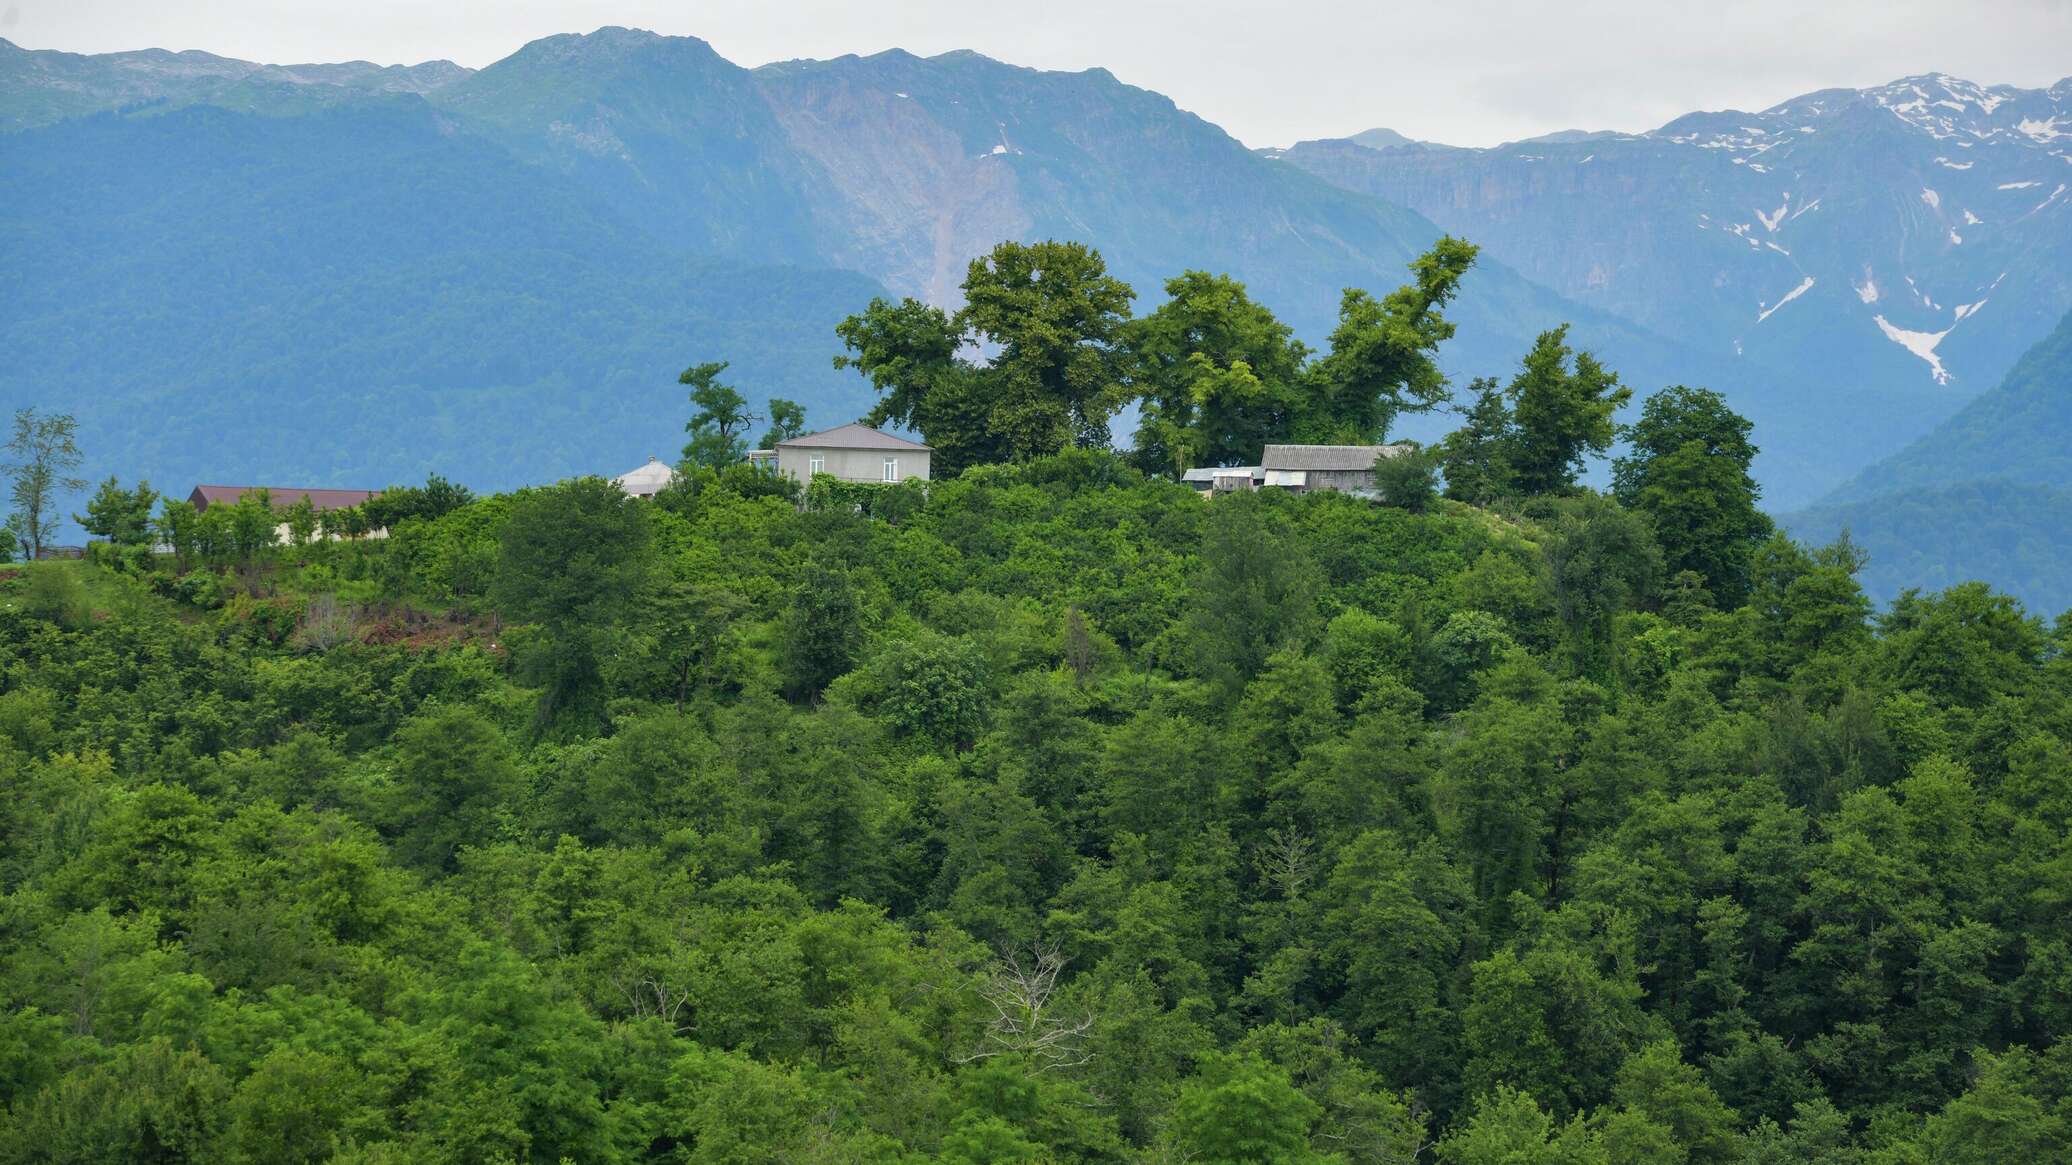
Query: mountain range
[[1896, 248], [353, 273]]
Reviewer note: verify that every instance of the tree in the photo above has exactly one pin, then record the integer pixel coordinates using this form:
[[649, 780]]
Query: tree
[[1256, 592], [1477, 455], [1688, 471], [454, 772], [717, 429], [908, 351], [1241, 1110], [682, 631], [43, 453], [1380, 364], [822, 630], [250, 528], [1054, 312], [1217, 374], [1601, 561], [1051, 314], [1027, 1023], [1508, 1127], [302, 522], [179, 526], [122, 516], [787, 420], [1562, 414], [572, 560]]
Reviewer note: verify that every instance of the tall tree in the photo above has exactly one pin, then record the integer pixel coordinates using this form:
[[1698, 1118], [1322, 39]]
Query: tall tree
[[718, 429], [42, 455], [1380, 364], [1478, 454], [787, 420], [1050, 313], [1688, 471], [1054, 312], [572, 560], [908, 351], [1256, 592], [122, 516], [1563, 414], [1218, 375]]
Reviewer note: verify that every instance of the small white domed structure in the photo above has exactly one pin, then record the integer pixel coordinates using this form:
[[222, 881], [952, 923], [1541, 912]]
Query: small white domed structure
[[647, 481]]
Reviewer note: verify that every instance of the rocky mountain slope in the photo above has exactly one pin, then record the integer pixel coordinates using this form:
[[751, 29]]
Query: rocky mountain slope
[[1901, 245]]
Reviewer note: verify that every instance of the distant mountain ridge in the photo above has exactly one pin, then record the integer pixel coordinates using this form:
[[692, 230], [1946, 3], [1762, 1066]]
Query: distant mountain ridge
[[1903, 243], [893, 167], [45, 86], [885, 172]]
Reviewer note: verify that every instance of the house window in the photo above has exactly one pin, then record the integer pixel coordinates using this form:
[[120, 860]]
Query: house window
[[816, 466], [892, 469]]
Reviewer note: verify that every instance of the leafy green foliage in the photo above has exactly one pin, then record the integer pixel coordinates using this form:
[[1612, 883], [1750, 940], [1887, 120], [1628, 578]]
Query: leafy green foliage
[[1048, 814]]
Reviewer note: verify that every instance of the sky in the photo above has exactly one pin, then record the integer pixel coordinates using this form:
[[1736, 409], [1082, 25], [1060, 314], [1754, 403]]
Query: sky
[[1466, 72]]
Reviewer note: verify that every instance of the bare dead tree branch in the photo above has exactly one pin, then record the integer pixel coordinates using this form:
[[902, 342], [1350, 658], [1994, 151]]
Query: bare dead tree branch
[[1026, 1020]]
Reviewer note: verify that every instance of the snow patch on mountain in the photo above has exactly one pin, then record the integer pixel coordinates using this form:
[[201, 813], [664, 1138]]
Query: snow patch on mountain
[[1794, 293], [1921, 344], [2019, 185], [2042, 131], [1867, 291], [1930, 197], [1771, 220]]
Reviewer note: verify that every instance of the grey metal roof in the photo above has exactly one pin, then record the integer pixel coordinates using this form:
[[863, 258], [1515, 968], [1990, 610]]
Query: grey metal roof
[[851, 436], [1340, 457], [1209, 473]]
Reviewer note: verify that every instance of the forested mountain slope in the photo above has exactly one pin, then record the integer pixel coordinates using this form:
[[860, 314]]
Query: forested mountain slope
[[1052, 814], [2020, 431], [1988, 494], [363, 294]]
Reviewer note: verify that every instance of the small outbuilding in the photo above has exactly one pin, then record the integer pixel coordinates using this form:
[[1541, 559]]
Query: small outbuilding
[[1209, 479], [1346, 468]]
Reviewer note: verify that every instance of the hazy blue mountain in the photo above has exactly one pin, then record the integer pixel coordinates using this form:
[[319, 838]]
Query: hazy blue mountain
[[541, 242], [1381, 138], [42, 86], [1897, 247], [364, 294], [1987, 494], [558, 226], [2020, 431]]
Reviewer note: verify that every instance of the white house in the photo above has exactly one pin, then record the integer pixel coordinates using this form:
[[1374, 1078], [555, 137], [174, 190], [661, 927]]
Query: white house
[[853, 452]]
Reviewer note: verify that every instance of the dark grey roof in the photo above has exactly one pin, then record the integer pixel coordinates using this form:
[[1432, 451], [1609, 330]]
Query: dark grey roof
[[1340, 457], [851, 436]]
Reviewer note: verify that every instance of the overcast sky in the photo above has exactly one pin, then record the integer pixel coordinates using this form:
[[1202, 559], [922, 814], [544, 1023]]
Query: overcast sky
[[1469, 72]]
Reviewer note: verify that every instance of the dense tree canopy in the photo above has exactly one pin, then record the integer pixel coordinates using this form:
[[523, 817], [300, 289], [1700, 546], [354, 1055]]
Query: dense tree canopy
[[1048, 813]]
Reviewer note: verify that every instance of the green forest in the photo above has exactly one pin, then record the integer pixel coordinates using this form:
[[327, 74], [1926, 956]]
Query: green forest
[[1046, 812]]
